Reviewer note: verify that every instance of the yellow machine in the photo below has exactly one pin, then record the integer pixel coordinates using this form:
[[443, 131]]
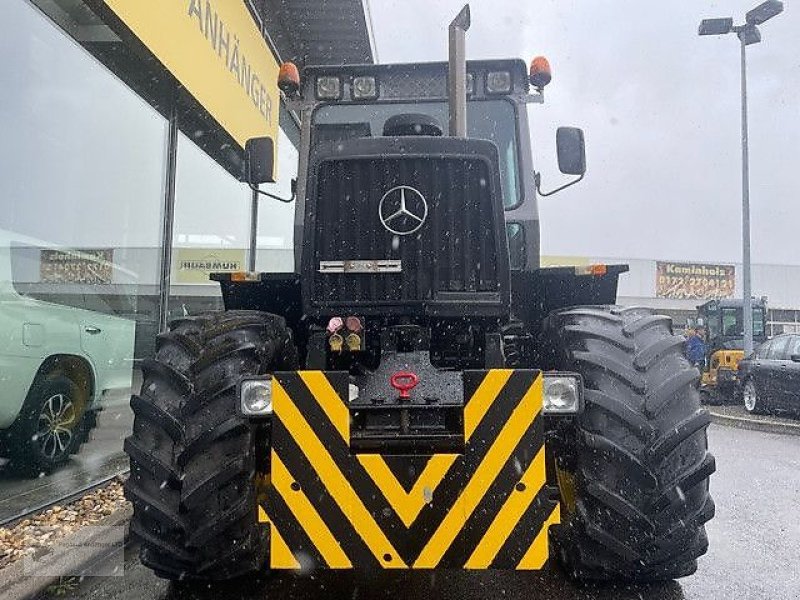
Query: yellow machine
[[720, 324]]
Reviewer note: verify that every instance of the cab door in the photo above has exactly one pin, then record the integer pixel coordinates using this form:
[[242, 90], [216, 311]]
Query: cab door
[[777, 372], [758, 367], [791, 374]]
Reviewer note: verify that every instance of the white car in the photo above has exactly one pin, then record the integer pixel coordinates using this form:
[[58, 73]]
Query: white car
[[56, 362]]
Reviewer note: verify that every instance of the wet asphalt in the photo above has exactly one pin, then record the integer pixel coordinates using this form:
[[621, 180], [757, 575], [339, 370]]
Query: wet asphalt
[[754, 553]]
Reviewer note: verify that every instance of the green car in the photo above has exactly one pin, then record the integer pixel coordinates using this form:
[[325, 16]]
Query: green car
[[56, 362]]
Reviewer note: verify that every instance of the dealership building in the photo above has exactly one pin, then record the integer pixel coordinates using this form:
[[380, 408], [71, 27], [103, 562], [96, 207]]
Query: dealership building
[[676, 288], [124, 126]]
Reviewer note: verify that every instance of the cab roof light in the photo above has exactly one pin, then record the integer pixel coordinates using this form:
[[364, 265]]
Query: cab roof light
[[498, 82], [365, 87], [329, 87], [289, 79], [540, 73]]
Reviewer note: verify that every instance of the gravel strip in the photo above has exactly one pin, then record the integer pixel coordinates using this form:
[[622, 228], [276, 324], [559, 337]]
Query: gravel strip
[[44, 529]]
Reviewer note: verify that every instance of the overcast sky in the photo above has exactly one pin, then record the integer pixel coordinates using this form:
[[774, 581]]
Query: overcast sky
[[660, 107], [661, 110]]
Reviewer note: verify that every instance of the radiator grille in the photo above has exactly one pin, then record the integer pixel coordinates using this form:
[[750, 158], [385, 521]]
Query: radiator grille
[[453, 251]]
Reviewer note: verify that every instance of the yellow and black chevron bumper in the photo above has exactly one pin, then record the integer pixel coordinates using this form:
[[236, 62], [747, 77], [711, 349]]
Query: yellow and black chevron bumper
[[486, 507]]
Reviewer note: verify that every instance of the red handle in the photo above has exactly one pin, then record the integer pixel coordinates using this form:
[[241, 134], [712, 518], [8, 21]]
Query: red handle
[[404, 382]]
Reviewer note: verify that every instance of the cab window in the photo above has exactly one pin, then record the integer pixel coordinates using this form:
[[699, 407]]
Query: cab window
[[794, 346], [777, 350], [732, 322], [492, 120]]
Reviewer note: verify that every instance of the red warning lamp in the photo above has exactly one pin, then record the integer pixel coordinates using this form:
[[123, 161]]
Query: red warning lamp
[[541, 74], [289, 79]]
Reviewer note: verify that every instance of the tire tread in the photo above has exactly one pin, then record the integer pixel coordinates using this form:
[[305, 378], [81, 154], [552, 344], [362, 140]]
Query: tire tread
[[641, 459]]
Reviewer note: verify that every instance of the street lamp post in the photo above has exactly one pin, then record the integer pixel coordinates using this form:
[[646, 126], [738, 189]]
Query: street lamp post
[[748, 33]]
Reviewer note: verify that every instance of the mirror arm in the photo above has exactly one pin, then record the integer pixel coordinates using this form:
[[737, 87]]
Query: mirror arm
[[538, 179], [274, 197]]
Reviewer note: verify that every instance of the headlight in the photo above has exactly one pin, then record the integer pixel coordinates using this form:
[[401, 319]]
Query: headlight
[[255, 397], [365, 88], [328, 88], [562, 394], [498, 82]]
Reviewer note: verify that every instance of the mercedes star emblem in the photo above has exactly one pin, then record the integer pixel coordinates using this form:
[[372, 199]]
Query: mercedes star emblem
[[403, 210]]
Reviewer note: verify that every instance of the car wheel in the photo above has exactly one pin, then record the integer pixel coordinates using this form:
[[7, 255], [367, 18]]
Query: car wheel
[[753, 401], [50, 427]]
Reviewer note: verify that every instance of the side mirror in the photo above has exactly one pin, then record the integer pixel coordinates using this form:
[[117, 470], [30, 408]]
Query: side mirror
[[259, 160], [571, 150], [796, 358]]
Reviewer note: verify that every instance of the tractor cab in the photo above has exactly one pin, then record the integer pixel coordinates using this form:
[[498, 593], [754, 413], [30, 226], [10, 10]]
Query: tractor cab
[[722, 325], [416, 207]]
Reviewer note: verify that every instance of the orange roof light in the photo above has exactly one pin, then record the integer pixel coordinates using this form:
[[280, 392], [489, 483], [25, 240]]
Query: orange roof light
[[289, 78], [598, 270], [245, 276], [595, 270], [541, 74]]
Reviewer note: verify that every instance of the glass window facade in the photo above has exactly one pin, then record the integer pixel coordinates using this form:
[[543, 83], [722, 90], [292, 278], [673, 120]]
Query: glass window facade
[[84, 172]]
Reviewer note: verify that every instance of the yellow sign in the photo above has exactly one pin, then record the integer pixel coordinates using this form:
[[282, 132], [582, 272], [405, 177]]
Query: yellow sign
[[215, 50], [194, 265], [694, 281]]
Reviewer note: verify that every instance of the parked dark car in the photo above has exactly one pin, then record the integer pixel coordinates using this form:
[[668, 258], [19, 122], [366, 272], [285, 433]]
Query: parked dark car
[[770, 377]]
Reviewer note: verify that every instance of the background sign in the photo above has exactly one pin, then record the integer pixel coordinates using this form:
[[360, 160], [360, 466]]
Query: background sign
[[194, 265], [80, 266], [214, 48], [694, 281]]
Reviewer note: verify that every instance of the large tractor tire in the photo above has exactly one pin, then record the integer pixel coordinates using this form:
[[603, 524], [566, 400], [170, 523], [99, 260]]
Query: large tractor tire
[[194, 461], [634, 474]]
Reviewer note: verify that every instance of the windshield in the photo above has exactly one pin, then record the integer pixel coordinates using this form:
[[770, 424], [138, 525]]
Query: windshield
[[733, 324], [492, 120]]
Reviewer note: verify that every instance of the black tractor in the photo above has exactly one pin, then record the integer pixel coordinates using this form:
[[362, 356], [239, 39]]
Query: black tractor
[[420, 393]]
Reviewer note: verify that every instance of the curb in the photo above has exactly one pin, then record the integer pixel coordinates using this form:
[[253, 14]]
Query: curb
[[765, 425], [75, 553]]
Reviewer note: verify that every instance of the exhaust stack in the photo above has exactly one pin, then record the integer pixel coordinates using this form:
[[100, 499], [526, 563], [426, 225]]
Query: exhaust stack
[[457, 73]]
